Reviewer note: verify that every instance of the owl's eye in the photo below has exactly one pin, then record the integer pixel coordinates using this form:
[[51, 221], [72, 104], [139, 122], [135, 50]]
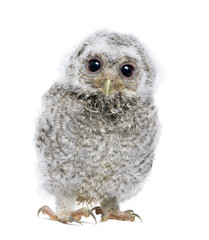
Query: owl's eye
[[127, 70], [94, 64]]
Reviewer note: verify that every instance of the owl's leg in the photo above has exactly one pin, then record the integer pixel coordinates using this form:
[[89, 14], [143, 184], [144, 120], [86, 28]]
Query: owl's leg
[[65, 211], [64, 206], [110, 210]]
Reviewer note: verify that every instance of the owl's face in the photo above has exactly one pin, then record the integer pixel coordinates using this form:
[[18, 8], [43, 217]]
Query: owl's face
[[111, 63]]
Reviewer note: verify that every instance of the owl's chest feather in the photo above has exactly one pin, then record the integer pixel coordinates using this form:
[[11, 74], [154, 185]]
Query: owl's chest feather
[[95, 132], [83, 146]]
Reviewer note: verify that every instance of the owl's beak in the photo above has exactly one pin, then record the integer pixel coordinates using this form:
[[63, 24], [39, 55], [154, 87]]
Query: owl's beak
[[107, 87]]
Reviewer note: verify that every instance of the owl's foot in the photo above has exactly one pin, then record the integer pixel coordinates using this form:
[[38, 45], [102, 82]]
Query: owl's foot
[[74, 216], [128, 215]]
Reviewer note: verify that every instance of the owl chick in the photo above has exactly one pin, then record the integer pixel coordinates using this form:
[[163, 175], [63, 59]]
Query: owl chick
[[97, 132]]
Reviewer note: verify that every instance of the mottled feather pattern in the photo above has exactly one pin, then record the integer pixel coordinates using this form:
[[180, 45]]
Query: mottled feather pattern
[[91, 147], [111, 141]]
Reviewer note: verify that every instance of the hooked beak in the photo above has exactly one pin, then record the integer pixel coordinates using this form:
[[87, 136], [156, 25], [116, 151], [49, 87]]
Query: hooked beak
[[107, 87]]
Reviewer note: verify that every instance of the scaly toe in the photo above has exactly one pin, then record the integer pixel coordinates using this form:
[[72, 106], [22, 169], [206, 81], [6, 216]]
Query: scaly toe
[[70, 219], [83, 212]]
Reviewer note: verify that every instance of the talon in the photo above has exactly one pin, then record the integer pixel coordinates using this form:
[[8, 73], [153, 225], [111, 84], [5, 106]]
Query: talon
[[40, 210], [97, 209], [136, 215], [91, 213], [46, 210], [131, 212]]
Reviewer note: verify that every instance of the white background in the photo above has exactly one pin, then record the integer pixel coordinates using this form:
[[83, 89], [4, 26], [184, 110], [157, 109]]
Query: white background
[[34, 36]]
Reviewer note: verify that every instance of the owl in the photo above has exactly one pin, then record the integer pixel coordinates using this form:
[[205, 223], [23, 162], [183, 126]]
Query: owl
[[98, 129]]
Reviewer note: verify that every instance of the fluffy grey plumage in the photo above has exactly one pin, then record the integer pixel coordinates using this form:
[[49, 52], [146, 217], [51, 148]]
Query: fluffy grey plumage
[[94, 147]]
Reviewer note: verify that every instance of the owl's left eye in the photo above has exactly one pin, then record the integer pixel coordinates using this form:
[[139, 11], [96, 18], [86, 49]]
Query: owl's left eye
[[127, 70], [94, 65]]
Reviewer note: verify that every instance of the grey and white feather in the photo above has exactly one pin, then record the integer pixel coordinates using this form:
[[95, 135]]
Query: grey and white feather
[[97, 145]]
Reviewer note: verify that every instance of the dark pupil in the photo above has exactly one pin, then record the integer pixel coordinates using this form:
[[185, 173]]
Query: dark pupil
[[127, 70], [94, 65]]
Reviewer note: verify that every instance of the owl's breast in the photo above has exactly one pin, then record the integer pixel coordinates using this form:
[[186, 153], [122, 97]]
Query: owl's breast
[[110, 143], [86, 152]]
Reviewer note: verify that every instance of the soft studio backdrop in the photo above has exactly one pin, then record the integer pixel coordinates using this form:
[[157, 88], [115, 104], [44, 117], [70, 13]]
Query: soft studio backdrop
[[34, 37]]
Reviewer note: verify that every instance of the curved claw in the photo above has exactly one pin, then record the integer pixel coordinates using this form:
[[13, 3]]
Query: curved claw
[[43, 210], [136, 215], [46, 210], [40, 210], [97, 209], [91, 213], [133, 214]]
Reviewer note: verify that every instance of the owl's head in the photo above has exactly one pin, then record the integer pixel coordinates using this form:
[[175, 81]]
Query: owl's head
[[111, 63]]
